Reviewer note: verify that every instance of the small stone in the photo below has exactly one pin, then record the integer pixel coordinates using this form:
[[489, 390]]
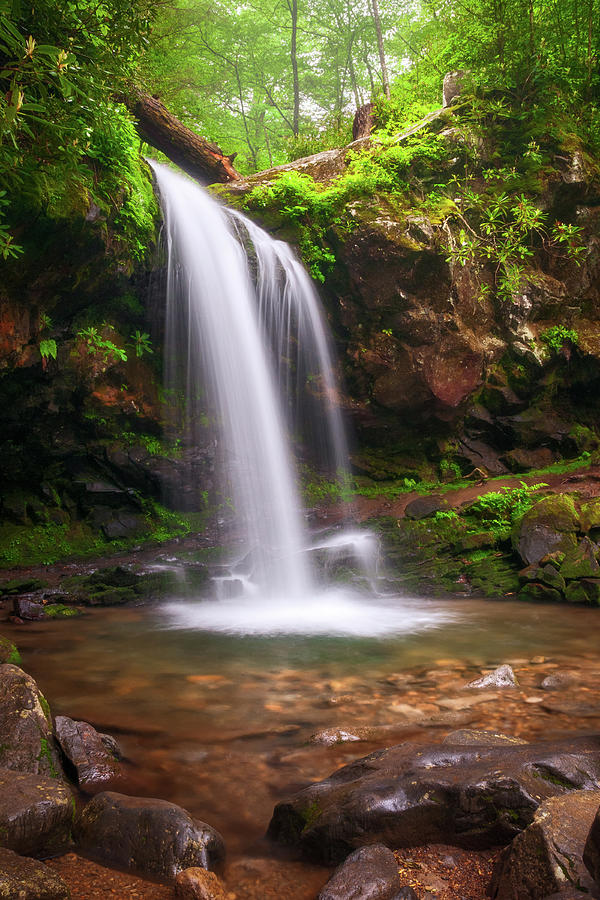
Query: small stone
[[198, 884], [502, 677]]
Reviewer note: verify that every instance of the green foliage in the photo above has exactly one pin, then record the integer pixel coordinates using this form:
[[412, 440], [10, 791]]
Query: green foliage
[[97, 344], [557, 336], [141, 343], [48, 348], [63, 140], [498, 510]]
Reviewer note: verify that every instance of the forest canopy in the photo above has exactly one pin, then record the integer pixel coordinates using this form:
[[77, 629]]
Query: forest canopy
[[270, 80]]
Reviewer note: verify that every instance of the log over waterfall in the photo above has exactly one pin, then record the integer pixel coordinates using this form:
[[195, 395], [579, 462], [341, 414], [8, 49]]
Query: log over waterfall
[[198, 157]]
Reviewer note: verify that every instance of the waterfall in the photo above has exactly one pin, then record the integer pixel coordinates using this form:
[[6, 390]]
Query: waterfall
[[246, 323]]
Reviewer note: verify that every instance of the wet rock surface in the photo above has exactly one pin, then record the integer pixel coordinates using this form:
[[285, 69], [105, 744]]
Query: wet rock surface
[[36, 813], [591, 851], [546, 858], [502, 677], [28, 879], [198, 884], [151, 836], [369, 873], [87, 752], [27, 743], [475, 797]]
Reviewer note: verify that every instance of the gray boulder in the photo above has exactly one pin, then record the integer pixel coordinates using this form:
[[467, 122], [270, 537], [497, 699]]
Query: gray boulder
[[471, 796], [86, 751], [27, 743], [28, 879], [370, 873], [153, 837], [546, 858], [36, 813]]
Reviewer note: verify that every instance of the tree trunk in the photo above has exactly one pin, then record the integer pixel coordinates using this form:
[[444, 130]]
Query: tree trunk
[[293, 7], [192, 153], [384, 71]]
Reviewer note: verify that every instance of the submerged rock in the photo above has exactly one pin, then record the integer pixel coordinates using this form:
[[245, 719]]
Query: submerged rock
[[471, 737], [546, 858], [28, 879], [26, 742], [370, 873], [151, 836], [36, 813], [87, 752], [198, 884], [470, 796], [501, 677]]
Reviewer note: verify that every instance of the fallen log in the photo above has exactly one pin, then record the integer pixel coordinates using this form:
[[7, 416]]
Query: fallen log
[[161, 129]]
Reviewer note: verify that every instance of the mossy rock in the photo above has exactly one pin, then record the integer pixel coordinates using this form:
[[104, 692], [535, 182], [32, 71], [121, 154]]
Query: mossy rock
[[540, 593], [21, 586], [9, 653], [590, 515], [581, 562], [61, 611], [576, 593], [548, 527]]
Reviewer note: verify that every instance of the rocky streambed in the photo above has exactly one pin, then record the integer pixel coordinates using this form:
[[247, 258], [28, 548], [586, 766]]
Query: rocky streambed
[[243, 733]]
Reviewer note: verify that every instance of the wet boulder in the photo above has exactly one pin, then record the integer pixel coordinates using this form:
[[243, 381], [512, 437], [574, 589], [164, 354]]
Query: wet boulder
[[548, 527], [546, 858], [28, 608], [27, 743], [471, 796], [86, 751], [153, 837], [591, 851], [36, 813], [28, 879], [370, 873]]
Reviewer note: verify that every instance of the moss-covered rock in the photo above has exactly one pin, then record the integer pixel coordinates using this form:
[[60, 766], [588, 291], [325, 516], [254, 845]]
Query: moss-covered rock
[[581, 561], [9, 653], [549, 526]]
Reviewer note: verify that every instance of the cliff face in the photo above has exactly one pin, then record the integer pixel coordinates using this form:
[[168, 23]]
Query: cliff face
[[448, 354]]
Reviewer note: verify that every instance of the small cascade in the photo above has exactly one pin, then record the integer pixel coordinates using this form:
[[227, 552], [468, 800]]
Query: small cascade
[[244, 324]]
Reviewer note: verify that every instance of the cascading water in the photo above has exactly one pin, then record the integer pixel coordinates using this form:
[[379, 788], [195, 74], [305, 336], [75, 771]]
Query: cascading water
[[248, 327]]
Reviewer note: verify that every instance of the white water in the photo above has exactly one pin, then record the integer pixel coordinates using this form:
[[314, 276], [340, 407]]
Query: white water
[[258, 342]]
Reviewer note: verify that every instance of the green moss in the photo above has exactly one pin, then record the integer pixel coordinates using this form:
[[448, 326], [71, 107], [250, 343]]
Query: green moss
[[60, 611], [46, 709], [9, 653], [310, 814], [46, 755]]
